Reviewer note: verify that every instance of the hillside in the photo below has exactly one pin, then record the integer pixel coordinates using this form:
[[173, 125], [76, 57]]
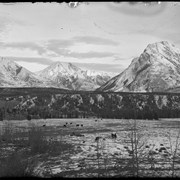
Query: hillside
[[14, 75], [54, 103], [157, 69]]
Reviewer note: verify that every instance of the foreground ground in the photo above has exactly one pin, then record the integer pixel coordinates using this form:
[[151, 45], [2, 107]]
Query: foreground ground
[[86, 148]]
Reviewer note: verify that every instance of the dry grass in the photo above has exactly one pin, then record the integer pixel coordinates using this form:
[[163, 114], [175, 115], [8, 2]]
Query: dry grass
[[15, 165], [40, 144], [19, 158]]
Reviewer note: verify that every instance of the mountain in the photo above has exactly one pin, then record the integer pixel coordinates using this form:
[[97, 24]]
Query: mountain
[[73, 77], [14, 75], [58, 75], [157, 69]]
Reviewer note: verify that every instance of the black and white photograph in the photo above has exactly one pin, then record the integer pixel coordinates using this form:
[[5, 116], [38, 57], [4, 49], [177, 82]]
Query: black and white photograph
[[90, 89]]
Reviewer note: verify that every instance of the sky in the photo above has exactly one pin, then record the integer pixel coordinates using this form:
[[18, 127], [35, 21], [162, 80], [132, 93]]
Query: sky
[[104, 36]]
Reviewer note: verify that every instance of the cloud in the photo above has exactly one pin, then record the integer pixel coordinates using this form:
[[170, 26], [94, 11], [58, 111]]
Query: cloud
[[94, 40], [115, 68], [91, 54], [4, 26], [59, 43], [6, 22], [118, 58], [43, 61], [25, 45], [61, 47]]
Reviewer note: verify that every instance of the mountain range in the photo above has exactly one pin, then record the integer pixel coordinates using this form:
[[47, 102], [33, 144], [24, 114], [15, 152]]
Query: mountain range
[[157, 69], [58, 75]]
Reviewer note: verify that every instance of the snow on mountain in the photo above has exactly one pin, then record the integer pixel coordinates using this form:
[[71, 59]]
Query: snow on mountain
[[157, 69], [14, 75], [59, 75], [73, 77]]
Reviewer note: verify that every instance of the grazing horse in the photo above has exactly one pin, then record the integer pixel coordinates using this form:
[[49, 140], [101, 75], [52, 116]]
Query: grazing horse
[[44, 125], [72, 134], [81, 125], [162, 148], [77, 125], [65, 126], [113, 135]]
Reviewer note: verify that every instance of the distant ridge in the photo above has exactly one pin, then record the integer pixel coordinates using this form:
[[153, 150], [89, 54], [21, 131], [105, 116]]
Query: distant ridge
[[57, 75]]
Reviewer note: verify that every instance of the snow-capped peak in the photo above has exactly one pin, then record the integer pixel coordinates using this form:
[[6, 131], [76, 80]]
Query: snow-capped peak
[[157, 69], [59, 74], [6, 62], [14, 75], [162, 47], [57, 69], [73, 77]]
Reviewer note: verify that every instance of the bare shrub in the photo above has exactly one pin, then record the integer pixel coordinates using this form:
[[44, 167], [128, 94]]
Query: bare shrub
[[174, 147], [15, 165], [28, 148], [135, 146], [36, 140], [7, 134]]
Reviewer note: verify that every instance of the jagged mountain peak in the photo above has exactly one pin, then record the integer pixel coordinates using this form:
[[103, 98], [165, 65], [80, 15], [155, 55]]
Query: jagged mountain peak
[[11, 66], [6, 62], [65, 65], [59, 74], [156, 69], [14, 75], [160, 47], [164, 43], [73, 77], [158, 44], [58, 69]]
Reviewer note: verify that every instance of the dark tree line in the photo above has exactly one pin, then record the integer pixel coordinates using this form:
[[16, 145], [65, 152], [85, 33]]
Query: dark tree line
[[106, 105]]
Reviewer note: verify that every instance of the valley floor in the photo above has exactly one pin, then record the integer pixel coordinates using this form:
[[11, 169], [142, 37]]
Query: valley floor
[[70, 147]]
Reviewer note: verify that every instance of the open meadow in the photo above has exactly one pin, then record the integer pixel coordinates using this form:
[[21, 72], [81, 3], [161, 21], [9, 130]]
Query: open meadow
[[90, 147]]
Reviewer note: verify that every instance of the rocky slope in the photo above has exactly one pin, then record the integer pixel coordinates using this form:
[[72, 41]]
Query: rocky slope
[[58, 75], [56, 104], [73, 77], [14, 75], [157, 69]]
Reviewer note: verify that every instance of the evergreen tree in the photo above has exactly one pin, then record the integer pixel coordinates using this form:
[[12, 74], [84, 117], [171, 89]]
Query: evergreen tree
[[1, 115], [28, 117]]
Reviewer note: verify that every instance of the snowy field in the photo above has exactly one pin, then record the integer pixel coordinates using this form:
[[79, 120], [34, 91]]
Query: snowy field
[[157, 146]]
